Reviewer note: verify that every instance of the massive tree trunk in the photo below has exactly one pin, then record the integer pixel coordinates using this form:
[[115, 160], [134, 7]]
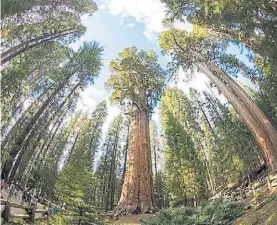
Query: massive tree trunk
[[136, 195], [125, 151], [260, 127]]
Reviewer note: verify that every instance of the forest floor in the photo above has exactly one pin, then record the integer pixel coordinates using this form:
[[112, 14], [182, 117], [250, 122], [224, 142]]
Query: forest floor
[[134, 219], [263, 213]]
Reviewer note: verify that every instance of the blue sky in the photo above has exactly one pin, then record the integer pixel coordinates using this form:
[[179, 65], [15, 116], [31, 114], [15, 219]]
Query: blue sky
[[114, 33], [114, 37], [118, 24]]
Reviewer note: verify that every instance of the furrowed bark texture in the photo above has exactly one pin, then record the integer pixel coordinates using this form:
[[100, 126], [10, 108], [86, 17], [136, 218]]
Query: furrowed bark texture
[[136, 195], [260, 127], [253, 117]]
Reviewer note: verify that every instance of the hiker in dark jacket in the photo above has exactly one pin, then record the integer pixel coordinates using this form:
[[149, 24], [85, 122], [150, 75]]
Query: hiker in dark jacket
[[24, 196]]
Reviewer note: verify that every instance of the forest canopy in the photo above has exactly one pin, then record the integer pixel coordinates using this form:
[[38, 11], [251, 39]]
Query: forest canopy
[[146, 141]]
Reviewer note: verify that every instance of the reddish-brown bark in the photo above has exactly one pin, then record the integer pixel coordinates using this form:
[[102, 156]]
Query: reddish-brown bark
[[137, 194], [260, 127]]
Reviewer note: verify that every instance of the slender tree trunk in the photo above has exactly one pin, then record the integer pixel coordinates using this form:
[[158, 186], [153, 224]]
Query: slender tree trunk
[[214, 107], [73, 146], [148, 146], [103, 196], [155, 161], [22, 120], [205, 116], [22, 151], [17, 171], [114, 168], [49, 139], [23, 47], [136, 195], [30, 126]]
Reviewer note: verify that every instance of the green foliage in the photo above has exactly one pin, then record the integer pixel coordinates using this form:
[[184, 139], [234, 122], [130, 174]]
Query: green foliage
[[183, 167], [136, 77], [235, 20], [57, 219], [187, 48], [157, 158], [75, 183], [266, 96], [109, 170], [220, 212], [234, 146], [247, 24], [205, 145], [12, 7]]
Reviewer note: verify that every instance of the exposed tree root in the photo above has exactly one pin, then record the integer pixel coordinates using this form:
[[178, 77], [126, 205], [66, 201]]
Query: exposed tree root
[[127, 208]]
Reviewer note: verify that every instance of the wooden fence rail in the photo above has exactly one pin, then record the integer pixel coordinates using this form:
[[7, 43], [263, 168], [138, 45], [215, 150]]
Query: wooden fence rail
[[239, 193], [31, 212]]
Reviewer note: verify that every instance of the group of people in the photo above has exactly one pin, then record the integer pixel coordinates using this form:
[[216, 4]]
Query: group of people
[[28, 196], [13, 190]]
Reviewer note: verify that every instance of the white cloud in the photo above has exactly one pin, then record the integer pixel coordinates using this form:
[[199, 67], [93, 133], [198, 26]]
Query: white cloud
[[150, 13], [102, 7], [89, 98], [130, 25], [113, 111], [92, 96], [199, 82]]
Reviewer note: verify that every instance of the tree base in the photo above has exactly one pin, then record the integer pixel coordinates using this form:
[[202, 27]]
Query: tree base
[[125, 208]]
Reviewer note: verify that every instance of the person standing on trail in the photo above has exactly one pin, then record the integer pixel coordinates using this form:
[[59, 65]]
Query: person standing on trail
[[24, 196], [3, 183], [54, 209], [27, 196], [11, 190], [16, 188], [33, 201]]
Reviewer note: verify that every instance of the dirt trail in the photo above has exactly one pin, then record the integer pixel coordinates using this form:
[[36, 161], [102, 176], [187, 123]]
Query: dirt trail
[[129, 220]]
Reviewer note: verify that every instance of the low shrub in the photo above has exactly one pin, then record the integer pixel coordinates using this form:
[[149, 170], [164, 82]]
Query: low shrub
[[220, 212]]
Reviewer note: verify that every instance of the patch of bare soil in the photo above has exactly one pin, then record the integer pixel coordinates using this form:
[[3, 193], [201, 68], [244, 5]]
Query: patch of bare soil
[[134, 219]]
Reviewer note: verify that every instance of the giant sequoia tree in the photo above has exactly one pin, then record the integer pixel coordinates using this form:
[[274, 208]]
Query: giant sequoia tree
[[197, 50], [137, 79]]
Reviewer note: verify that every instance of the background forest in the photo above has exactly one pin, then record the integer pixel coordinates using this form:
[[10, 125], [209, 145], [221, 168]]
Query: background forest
[[185, 144]]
